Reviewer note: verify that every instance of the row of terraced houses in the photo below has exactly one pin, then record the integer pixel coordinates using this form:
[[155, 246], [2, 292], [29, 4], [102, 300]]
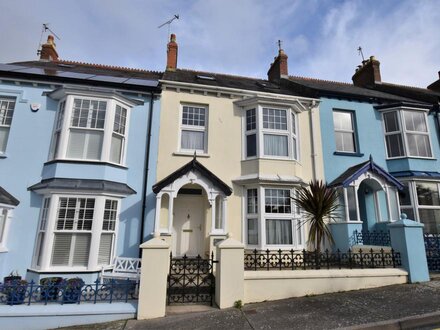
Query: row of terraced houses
[[96, 159]]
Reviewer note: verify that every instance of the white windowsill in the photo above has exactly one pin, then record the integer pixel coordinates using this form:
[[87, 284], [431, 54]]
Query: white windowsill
[[3, 249], [190, 154]]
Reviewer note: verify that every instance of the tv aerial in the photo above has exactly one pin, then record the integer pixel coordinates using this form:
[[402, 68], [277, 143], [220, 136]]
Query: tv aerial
[[44, 29], [177, 16], [361, 53]]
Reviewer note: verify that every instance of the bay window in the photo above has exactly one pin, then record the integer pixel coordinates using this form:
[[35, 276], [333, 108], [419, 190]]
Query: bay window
[[193, 129], [406, 134], [91, 128], [7, 106], [270, 133], [76, 232], [278, 220]]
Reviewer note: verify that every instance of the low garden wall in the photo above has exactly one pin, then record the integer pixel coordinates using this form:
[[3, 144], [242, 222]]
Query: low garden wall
[[262, 285]]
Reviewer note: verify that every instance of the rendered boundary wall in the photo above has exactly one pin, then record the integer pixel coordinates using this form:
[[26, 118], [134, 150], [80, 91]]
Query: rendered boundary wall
[[51, 316], [272, 285]]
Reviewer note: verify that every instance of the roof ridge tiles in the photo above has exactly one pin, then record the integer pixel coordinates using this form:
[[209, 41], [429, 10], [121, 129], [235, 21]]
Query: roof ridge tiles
[[222, 74], [106, 66], [322, 80]]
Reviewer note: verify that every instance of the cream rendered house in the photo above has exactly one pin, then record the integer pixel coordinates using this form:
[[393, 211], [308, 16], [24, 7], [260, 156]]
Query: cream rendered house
[[232, 151]]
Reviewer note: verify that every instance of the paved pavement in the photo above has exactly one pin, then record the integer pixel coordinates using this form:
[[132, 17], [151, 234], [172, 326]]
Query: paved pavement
[[406, 306]]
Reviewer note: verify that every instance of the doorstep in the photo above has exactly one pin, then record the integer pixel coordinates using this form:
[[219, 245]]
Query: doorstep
[[188, 308]]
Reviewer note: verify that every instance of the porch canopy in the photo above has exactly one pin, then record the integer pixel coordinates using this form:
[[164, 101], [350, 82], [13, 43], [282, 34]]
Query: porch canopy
[[368, 193], [192, 174]]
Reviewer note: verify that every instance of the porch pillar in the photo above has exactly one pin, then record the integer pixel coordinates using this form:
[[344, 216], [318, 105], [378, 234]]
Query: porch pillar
[[153, 282], [224, 224], [347, 211], [407, 238], [213, 215], [356, 198], [390, 214], [157, 213], [229, 278], [170, 213]]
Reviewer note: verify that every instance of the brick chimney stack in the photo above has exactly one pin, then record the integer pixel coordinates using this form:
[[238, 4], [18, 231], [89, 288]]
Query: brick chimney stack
[[278, 69], [368, 73], [435, 86], [48, 50], [172, 53]]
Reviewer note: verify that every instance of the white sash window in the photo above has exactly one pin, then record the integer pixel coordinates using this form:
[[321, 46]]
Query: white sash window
[[7, 106], [193, 135]]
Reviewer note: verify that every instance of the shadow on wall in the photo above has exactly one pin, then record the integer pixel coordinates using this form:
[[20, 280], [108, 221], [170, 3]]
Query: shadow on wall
[[130, 218]]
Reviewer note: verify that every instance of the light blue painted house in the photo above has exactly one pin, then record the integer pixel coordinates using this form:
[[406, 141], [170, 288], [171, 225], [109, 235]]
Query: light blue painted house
[[380, 148], [78, 146]]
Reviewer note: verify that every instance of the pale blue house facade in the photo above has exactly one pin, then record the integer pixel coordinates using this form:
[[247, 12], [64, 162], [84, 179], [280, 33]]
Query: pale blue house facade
[[380, 149], [78, 149]]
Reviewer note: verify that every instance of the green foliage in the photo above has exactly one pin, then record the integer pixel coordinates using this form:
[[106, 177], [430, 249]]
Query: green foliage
[[238, 304], [319, 204]]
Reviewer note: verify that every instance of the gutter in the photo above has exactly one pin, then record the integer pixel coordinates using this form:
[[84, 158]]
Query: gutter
[[146, 169]]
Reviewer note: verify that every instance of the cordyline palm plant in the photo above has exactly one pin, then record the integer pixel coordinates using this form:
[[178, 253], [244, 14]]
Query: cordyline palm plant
[[319, 204]]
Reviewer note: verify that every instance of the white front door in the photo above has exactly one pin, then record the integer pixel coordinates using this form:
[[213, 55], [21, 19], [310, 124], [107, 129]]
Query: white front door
[[188, 225]]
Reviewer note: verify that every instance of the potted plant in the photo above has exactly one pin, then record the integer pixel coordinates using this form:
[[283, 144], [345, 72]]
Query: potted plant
[[72, 290], [14, 287], [50, 287]]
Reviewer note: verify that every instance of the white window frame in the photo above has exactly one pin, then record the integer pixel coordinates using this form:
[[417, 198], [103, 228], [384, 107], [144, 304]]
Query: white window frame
[[6, 212], [352, 131], [298, 238], [3, 124], [291, 133], [50, 230], [63, 127], [404, 132], [193, 128]]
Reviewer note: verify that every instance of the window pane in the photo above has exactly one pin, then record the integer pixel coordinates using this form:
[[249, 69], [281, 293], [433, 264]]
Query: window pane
[[418, 145], [61, 249], [274, 119], [85, 145], [81, 250], [105, 249], [277, 201], [342, 121], [278, 231], [251, 145], [404, 196], [394, 145], [251, 119], [4, 133], [252, 226], [252, 201], [193, 116], [110, 215], [391, 122], [193, 140], [88, 113], [116, 148], [275, 145], [427, 193], [431, 219], [352, 203], [415, 121], [120, 119], [344, 142]]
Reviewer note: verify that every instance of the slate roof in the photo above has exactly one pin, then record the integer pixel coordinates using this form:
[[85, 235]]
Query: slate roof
[[225, 80], [317, 88], [193, 165], [352, 173], [416, 174], [416, 93], [7, 198], [77, 72], [83, 184]]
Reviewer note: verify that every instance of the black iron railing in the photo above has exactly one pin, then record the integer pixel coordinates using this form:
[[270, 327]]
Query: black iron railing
[[191, 280], [432, 248], [304, 260], [20, 292], [379, 238]]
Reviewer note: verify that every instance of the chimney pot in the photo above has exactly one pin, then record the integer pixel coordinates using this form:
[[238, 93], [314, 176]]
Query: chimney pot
[[172, 49], [278, 69]]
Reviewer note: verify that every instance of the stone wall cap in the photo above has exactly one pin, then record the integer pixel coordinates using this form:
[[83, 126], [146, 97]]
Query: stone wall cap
[[155, 243], [405, 223], [230, 243]]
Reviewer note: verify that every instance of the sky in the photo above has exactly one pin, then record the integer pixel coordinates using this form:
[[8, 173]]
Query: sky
[[235, 36]]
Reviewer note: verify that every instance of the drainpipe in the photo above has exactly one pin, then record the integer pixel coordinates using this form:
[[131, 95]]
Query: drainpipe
[[146, 169], [313, 144]]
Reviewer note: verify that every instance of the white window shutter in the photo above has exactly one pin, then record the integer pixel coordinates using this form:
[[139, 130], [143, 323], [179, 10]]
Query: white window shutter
[[105, 249], [61, 249], [81, 250], [116, 148]]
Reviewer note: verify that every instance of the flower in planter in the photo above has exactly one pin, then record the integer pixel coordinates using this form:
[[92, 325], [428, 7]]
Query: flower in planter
[[50, 287], [15, 290], [72, 289]]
